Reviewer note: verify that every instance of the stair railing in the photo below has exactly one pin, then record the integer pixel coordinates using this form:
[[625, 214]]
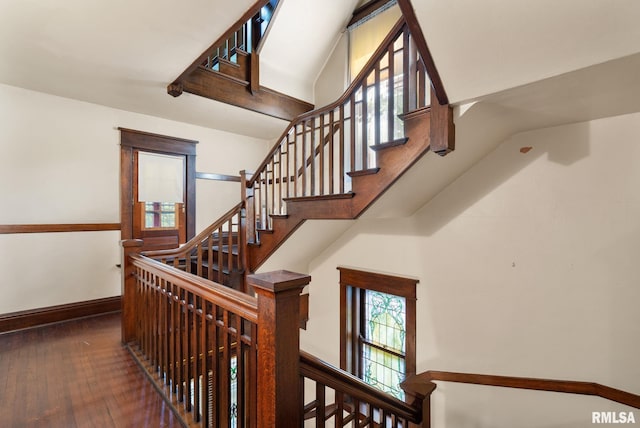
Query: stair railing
[[210, 349], [427, 379], [218, 253], [336, 398], [243, 40], [321, 150]]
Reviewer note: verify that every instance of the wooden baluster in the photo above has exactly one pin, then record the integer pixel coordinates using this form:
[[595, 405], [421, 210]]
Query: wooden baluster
[[341, 124], [377, 112], [412, 60], [197, 355], [154, 323], [224, 368], [390, 94], [258, 203], [321, 406], [128, 290], [365, 123], [204, 364], [187, 335], [198, 260], [422, 85], [339, 408], [230, 246], [280, 177], [272, 208], [295, 160], [304, 159], [353, 131], [240, 374], [215, 365], [312, 157], [248, 228], [171, 378], [279, 405], [164, 329], [177, 387], [321, 137], [184, 342], [332, 131], [253, 376], [220, 255]]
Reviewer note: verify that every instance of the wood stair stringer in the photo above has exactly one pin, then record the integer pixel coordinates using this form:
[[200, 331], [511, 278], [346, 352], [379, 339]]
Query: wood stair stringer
[[393, 161]]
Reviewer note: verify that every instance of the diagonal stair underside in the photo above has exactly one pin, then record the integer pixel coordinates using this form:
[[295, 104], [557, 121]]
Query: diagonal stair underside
[[393, 161]]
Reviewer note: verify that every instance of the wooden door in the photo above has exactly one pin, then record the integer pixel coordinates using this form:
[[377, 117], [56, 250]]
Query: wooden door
[[159, 223]]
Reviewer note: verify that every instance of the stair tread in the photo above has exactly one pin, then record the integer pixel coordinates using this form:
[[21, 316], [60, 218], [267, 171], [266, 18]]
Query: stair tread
[[389, 144], [360, 173], [348, 195]]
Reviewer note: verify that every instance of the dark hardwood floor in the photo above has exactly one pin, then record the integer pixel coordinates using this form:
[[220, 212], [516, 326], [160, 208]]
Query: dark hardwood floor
[[76, 374]]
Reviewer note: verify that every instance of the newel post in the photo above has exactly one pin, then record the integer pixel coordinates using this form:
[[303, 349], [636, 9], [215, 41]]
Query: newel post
[[279, 396], [421, 390], [128, 286]]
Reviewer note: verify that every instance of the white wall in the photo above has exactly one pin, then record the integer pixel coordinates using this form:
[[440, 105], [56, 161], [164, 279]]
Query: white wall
[[528, 266], [60, 163], [333, 79]]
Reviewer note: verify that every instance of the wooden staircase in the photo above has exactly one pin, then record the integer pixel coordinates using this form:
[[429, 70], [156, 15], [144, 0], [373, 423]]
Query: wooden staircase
[[393, 159], [331, 163], [229, 70]]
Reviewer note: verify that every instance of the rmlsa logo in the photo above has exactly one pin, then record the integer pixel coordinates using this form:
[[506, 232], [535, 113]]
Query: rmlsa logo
[[613, 418]]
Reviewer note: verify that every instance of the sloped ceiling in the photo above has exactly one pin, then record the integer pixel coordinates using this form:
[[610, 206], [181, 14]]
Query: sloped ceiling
[[302, 38], [482, 47], [122, 54]]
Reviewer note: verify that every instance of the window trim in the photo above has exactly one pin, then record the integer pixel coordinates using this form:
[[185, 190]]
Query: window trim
[[352, 280]]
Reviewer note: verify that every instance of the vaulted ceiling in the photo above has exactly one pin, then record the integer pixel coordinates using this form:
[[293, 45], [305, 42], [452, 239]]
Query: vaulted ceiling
[[123, 54]]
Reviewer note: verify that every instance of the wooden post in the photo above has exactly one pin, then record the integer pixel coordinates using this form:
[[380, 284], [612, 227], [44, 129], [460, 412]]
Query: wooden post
[[130, 246], [421, 390], [249, 205], [279, 395]]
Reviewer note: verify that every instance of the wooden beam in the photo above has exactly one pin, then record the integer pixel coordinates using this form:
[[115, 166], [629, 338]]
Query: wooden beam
[[214, 85]]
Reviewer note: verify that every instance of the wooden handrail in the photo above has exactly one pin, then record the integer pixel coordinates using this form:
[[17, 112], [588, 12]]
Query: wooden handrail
[[355, 84], [204, 55], [425, 54], [346, 383], [234, 301], [565, 386], [200, 237]]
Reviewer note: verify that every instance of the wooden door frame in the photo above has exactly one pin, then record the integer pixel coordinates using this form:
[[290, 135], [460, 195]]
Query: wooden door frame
[[131, 140]]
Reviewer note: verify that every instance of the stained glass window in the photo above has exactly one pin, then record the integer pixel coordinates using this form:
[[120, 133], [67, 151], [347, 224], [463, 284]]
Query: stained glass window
[[383, 341], [379, 318]]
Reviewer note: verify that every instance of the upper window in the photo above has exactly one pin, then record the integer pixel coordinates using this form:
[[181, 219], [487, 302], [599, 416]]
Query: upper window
[[366, 35], [378, 323]]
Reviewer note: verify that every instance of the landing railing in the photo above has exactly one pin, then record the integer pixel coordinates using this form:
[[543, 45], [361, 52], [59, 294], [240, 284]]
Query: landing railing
[[210, 349], [335, 398], [242, 40], [217, 253], [427, 379], [321, 150]]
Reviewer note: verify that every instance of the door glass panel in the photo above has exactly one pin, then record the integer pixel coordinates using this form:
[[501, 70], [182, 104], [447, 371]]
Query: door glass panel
[[160, 215]]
